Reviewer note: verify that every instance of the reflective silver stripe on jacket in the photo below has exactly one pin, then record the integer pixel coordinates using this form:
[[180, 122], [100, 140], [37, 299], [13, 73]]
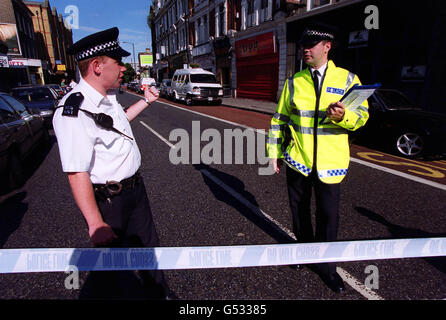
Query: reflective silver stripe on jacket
[[320, 131], [291, 90], [350, 78], [281, 117], [304, 113], [272, 140], [277, 127]]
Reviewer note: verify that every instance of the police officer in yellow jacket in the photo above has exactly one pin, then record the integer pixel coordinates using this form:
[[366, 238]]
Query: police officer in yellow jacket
[[316, 152]]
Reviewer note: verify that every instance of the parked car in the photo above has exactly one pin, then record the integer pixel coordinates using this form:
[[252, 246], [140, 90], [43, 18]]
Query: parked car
[[145, 83], [196, 84], [60, 92], [166, 88], [397, 124], [20, 134], [39, 99], [132, 85], [139, 88]]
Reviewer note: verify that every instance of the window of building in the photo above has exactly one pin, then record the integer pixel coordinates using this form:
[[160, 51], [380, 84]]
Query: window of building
[[197, 31], [313, 4], [221, 20], [250, 6], [205, 29], [250, 21]]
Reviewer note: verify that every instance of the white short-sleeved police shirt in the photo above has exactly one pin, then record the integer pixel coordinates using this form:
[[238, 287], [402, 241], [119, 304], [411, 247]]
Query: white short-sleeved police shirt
[[85, 147]]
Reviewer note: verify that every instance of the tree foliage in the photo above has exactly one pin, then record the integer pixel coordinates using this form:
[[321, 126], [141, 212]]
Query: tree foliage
[[129, 73]]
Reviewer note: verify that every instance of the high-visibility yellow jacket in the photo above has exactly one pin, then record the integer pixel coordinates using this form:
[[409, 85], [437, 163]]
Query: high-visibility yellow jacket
[[298, 109]]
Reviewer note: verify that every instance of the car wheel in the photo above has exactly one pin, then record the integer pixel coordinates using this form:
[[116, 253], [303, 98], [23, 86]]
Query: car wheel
[[189, 101], [409, 144], [15, 171]]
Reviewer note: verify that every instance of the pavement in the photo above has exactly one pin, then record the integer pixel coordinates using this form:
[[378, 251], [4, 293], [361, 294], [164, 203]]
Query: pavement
[[267, 107]]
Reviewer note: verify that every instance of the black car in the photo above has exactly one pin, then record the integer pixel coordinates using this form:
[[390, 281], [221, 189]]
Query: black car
[[39, 99], [60, 92], [397, 124], [20, 134], [132, 85]]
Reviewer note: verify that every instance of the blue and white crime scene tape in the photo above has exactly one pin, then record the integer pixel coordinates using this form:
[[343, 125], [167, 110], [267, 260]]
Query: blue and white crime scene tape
[[165, 258]]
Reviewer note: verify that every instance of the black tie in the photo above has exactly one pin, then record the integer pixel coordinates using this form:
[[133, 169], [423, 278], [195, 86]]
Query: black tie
[[316, 82], [316, 88]]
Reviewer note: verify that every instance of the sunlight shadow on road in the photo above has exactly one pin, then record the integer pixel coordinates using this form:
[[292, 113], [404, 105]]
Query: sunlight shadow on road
[[12, 211], [253, 213], [399, 232]]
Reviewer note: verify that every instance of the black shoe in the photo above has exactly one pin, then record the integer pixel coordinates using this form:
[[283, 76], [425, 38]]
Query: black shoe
[[334, 282]]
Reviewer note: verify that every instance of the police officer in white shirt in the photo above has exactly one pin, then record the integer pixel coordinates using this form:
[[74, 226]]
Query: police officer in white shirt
[[99, 152], [72, 83]]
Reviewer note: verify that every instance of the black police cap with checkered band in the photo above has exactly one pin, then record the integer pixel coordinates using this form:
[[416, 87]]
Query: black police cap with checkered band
[[103, 43], [316, 33]]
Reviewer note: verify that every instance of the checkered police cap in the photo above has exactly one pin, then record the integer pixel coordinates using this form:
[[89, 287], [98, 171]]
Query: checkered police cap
[[316, 33], [103, 43], [319, 34]]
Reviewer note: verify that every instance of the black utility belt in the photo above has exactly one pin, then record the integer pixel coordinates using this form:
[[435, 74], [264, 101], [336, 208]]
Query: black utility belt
[[113, 188]]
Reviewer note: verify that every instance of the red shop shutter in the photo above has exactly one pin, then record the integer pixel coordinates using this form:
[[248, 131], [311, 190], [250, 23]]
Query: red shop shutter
[[258, 79]]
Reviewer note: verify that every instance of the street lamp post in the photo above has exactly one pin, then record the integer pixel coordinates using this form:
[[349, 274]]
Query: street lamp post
[[133, 45]]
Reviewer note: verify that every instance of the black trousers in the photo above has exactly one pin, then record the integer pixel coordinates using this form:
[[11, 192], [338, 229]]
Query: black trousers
[[327, 211], [130, 217]]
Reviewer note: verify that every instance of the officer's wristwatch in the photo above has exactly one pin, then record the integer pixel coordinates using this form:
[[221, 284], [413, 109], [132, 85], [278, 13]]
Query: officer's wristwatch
[[147, 100]]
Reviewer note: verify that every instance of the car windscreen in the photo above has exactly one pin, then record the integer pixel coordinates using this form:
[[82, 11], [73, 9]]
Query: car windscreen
[[394, 99], [203, 78], [33, 94], [19, 107]]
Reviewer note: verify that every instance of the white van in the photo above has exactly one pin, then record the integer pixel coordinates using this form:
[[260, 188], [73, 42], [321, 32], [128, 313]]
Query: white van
[[196, 84]]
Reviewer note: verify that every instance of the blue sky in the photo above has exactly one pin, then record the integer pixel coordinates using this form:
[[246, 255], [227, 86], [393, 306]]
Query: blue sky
[[130, 16]]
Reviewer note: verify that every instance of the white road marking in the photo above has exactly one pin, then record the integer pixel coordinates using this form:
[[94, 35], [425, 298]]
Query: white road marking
[[357, 285], [157, 134], [248, 204], [400, 174], [215, 118]]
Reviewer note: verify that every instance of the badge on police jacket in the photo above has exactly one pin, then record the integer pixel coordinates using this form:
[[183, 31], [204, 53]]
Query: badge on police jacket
[[72, 104]]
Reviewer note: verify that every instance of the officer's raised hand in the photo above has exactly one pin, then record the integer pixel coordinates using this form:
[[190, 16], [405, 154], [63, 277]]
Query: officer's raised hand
[[151, 94]]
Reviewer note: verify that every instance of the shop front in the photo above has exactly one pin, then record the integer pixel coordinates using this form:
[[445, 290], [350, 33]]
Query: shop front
[[257, 65], [223, 53], [21, 71]]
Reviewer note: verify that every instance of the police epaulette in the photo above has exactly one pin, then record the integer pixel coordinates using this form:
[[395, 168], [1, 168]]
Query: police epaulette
[[72, 104]]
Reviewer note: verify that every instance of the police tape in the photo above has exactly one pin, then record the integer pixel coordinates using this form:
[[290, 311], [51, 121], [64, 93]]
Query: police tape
[[169, 258]]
